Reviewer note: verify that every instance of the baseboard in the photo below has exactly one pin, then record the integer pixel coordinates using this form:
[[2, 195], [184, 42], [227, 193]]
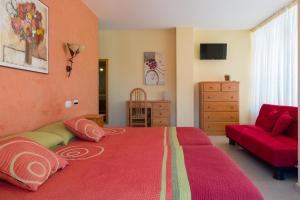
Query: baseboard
[[297, 186]]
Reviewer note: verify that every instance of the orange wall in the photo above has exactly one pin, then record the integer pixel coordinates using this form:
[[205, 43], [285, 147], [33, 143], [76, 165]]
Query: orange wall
[[29, 100]]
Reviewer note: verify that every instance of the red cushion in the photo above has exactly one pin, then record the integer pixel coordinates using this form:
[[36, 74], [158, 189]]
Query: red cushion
[[235, 131], [85, 129], [292, 130], [279, 151], [271, 120], [27, 164], [282, 123]]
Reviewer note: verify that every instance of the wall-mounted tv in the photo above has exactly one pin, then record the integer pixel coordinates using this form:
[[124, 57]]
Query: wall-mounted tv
[[213, 51]]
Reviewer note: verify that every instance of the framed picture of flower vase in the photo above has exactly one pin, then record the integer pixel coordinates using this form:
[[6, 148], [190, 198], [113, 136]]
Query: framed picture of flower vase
[[154, 68], [24, 35]]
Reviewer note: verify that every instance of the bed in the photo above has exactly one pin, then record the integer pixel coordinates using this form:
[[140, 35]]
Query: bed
[[143, 164]]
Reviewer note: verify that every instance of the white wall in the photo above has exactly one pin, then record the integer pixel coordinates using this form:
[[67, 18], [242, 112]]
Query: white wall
[[184, 76], [125, 49], [237, 65]]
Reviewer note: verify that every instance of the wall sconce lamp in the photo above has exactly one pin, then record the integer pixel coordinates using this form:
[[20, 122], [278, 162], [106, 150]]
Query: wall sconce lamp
[[74, 50]]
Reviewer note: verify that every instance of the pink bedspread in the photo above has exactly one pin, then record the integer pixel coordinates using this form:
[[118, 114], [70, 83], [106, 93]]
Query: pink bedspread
[[213, 176], [192, 136], [123, 166], [140, 164]]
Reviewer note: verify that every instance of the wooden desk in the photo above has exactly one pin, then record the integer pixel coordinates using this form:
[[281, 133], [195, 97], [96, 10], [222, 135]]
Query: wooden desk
[[159, 113]]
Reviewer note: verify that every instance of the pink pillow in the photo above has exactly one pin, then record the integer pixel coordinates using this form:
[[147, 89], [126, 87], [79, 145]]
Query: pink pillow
[[282, 123], [27, 164], [85, 129], [270, 120]]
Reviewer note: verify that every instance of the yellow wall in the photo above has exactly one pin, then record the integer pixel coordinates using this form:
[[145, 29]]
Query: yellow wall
[[237, 65], [124, 49], [184, 76]]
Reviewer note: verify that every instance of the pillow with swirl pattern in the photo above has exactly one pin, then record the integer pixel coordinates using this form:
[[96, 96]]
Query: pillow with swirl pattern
[[85, 129], [27, 164]]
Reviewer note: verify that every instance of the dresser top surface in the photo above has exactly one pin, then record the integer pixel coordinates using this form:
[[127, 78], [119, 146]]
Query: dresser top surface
[[153, 101], [218, 82]]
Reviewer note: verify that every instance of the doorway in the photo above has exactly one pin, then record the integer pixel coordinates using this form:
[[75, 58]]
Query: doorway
[[103, 88]]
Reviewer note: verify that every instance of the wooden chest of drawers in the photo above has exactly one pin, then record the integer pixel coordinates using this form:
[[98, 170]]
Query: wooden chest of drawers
[[219, 105]]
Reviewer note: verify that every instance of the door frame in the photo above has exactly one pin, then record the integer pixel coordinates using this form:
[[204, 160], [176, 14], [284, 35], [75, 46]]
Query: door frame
[[106, 87]]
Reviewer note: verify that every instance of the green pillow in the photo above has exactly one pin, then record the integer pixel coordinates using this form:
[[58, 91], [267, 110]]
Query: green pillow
[[46, 139], [55, 146], [59, 129]]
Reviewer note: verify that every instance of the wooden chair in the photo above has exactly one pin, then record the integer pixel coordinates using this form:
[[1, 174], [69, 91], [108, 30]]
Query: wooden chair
[[138, 108]]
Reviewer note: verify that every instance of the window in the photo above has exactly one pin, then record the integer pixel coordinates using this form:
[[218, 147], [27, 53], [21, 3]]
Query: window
[[275, 62]]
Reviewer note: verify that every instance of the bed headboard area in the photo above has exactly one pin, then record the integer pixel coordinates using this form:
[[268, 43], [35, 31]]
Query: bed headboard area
[[29, 100]]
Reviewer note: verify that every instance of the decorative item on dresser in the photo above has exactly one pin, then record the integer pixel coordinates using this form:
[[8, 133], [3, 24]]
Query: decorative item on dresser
[[227, 77], [99, 119], [219, 105], [158, 113]]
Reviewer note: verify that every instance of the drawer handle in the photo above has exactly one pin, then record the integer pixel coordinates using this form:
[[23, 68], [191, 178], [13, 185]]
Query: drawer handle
[[208, 97], [231, 97], [210, 87], [231, 107], [208, 106]]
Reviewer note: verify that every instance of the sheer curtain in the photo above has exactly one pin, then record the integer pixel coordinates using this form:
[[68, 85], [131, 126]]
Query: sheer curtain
[[275, 62]]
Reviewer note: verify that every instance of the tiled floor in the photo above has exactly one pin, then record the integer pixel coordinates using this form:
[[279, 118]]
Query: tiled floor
[[260, 173]]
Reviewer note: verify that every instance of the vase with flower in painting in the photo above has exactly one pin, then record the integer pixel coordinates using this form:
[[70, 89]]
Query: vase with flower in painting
[[26, 22]]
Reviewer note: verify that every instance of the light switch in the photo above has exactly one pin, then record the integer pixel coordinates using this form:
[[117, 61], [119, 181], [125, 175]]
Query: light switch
[[68, 104], [75, 102]]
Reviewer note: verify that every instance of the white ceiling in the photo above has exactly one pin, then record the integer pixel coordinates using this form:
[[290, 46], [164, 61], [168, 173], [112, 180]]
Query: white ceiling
[[204, 14]]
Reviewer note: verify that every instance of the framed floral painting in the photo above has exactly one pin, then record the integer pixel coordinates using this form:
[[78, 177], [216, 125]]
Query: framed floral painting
[[24, 35], [154, 68]]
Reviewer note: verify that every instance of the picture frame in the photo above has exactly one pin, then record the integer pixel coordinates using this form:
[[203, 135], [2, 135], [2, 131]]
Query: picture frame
[[24, 35], [154, 68]]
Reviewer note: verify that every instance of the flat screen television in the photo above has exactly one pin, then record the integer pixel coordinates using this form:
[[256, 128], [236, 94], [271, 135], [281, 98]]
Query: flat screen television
[[213, 51]]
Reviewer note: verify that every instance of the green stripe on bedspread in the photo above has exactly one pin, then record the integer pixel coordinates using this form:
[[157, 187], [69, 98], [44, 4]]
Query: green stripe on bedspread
[[180, 183], [164, 168]]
